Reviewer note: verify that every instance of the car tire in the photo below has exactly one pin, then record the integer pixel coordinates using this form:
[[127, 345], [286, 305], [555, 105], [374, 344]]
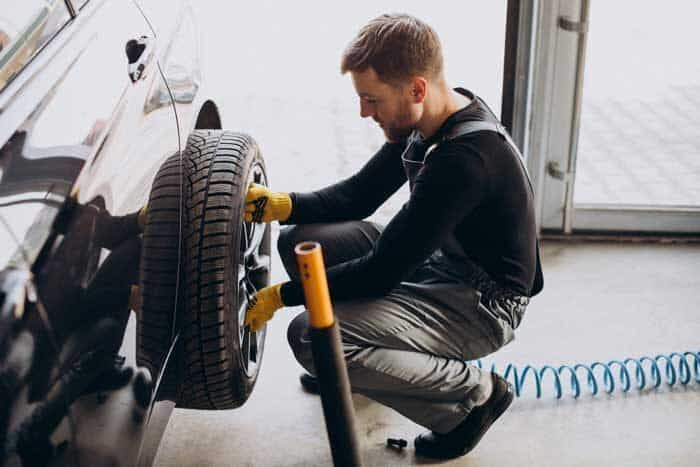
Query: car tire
[[158, 276], [225, 261]]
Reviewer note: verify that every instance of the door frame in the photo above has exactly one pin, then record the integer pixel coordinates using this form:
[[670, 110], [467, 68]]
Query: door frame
[[545, 114]]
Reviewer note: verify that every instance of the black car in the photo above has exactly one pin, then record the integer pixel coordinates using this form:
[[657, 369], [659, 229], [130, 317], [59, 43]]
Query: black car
[[125, 263]]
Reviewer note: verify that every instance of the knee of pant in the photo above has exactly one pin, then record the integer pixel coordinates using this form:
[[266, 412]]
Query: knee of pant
[[298, 330], [284, 242], [299, 341], [290, 235], [288, 238]]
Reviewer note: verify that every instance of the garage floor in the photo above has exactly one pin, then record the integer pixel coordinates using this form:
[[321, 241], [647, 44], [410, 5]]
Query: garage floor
[[601, 302]]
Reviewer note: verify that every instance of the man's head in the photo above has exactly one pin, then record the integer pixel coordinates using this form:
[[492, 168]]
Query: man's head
[[393, 61]]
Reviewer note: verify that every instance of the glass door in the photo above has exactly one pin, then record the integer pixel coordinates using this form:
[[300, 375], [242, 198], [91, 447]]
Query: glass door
[[621, 143]]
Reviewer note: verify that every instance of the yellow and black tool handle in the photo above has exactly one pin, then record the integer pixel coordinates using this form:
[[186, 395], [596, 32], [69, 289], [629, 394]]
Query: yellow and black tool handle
[[329, 361]]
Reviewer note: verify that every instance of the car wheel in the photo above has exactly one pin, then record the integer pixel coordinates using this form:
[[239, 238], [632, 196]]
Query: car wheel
[[226, 260]]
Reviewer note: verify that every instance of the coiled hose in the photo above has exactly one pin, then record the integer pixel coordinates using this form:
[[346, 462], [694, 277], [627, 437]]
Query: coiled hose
[[677, 368]]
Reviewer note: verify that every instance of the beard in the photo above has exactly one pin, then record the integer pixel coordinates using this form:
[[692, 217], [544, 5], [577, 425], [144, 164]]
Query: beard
[[398, 130]]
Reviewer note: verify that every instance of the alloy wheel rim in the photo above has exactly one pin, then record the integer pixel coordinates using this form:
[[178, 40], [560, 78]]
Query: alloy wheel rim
[[252, 275]]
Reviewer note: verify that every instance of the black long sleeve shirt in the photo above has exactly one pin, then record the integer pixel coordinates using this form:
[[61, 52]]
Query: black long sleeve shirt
[[472, 186]]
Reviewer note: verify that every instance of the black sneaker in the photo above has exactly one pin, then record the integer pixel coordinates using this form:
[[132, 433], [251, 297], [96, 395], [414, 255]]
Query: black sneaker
[[467, 434], [309, 383]]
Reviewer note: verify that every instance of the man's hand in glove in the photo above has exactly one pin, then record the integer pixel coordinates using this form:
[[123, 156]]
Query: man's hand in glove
[[263, 205], [263, 305]]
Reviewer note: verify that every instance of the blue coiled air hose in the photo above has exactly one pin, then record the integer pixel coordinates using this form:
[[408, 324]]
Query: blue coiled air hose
[[677, 368]]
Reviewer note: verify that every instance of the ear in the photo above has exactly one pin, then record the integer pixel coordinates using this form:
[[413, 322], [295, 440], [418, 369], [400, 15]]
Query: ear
[[418, 89]]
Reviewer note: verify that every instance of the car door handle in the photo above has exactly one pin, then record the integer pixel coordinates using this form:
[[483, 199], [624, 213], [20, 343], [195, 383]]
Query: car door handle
[[139, 52]]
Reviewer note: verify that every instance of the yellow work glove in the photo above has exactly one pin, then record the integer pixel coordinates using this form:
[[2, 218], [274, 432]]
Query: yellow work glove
[[263, 305], [263, 205]]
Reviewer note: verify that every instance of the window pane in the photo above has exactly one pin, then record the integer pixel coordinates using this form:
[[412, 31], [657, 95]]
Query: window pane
[[640, 142], [25, 27]]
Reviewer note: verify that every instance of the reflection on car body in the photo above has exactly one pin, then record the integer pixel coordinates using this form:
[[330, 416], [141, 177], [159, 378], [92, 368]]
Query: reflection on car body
[[80, 144]]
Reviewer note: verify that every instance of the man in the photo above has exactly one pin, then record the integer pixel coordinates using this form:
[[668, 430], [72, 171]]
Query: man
[[448, 279]]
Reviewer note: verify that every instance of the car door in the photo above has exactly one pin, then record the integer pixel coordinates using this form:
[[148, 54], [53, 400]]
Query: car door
[[81, 139]]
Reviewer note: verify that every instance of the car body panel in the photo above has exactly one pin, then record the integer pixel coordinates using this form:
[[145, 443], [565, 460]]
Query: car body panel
[[79, 147]]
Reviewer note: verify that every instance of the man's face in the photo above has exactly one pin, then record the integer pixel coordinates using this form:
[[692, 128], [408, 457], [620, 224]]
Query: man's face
[[391, 107]]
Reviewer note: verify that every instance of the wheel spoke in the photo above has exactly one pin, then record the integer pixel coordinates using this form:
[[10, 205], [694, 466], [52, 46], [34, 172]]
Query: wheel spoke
[[246, 347], [259, 263], [257, 236], [242, 273], [255, 239], [253, 349], [242, 310]]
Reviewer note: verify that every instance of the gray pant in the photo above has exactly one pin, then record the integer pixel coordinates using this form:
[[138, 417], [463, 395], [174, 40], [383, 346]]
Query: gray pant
[[408, 349]]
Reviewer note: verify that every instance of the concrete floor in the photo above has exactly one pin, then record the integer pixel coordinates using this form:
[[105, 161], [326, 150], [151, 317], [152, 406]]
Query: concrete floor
[[601, 302]]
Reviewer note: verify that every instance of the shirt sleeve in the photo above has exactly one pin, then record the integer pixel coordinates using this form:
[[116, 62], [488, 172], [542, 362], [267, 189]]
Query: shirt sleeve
[[354, 198], [450, 185]]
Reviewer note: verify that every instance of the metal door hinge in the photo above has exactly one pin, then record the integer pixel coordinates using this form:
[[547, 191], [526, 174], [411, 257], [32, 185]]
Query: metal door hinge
[[554, 171], [580, 27]]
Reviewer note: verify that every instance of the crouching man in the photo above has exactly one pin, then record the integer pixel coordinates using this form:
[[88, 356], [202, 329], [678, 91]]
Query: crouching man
[[448, 279]]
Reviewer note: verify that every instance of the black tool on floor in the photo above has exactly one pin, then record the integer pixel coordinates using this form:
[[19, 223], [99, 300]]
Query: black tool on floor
[[396, 443]]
